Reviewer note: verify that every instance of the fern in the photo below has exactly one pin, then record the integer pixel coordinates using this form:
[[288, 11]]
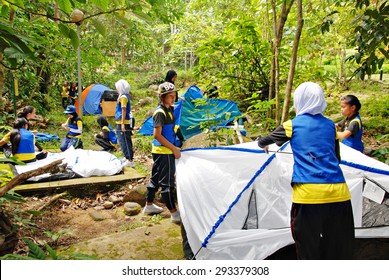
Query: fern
[[35, 251], [51, 252]]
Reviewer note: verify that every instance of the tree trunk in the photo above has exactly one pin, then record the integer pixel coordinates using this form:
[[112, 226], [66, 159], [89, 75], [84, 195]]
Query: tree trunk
[[2, 75], [273, 62], [122, 56], [9, 236], [343, 72], [279, 31], [289, 84]]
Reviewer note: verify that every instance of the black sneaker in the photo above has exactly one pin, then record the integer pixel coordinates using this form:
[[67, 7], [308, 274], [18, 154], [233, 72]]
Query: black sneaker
[[7, 150]]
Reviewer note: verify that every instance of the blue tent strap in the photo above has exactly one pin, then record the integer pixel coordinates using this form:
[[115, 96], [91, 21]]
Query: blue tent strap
[[366, 168], [222, 217], [226, 149]]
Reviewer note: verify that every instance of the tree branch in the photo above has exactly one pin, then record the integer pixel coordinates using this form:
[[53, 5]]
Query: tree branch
[[21, 178], [54, 18]]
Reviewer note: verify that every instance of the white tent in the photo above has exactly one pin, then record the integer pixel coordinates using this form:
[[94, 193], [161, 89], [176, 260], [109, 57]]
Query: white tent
[[235, 201]]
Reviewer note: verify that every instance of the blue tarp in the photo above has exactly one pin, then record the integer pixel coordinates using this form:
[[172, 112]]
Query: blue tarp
[[93, 99], [197, 111], [44, 137]]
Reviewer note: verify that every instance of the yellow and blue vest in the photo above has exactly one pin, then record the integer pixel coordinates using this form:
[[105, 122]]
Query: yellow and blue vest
[[26, 149], [168, 131], [118, 114], [75, 125], [111, 134], [313, 144], [354, 142]]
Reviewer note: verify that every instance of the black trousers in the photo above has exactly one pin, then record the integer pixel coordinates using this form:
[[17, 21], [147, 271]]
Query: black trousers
[[323, 231], [106, 145], [163, 176]]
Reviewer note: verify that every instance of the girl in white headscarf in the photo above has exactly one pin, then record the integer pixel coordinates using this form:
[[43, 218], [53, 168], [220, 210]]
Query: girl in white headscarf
[[123, 122], [321, 216]]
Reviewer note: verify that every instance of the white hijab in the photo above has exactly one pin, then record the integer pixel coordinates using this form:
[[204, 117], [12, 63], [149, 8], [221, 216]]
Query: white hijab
[[123, 87], [309, 99]]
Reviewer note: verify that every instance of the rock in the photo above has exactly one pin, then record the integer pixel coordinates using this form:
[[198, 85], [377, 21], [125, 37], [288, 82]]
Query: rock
[[145, 101], [153, 87], [136, 194], [114, 199], [108, 204], [96, 215], [132, 208]]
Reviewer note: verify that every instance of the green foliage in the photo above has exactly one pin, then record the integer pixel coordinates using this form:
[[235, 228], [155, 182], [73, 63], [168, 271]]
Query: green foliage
[[237, 61], [372, 33], [377, 106], [220, 137], [14, 45], [149, 221], [37, 253], [11, 196], [382, 155], [259, 110], [12, 160], [5, 119], [376, 124], [55, 235], [142, 144]]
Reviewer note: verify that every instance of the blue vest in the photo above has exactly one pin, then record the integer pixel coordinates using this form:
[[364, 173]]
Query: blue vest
[[112, 135], [313, 143], [356, 141], [73, 126], [118, 115], [26, 145], [168, 128]]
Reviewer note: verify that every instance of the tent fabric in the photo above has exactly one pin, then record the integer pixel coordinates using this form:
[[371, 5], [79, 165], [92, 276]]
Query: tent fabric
[[235, 201], [91, 99], [193, 110], [84, 163]]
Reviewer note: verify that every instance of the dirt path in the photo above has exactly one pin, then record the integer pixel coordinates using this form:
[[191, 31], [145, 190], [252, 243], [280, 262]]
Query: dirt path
[[83, 226]]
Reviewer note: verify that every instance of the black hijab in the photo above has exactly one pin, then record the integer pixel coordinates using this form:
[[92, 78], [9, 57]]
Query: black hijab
[[169, 78]]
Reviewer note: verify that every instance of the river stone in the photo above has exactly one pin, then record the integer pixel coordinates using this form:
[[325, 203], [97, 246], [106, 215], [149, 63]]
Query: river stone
[[96, 215], [114, 199], [108, 204], [132, 208], [136, 194]]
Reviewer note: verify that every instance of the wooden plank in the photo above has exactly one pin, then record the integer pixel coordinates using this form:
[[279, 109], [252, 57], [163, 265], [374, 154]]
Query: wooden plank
[[128, 175]]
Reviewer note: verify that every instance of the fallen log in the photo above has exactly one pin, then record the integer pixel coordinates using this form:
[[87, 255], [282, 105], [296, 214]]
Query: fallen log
[[51, 201], [21, 178]]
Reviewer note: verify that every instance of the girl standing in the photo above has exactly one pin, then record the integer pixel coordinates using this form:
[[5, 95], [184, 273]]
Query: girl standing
[[321, 217], [123, 122]]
